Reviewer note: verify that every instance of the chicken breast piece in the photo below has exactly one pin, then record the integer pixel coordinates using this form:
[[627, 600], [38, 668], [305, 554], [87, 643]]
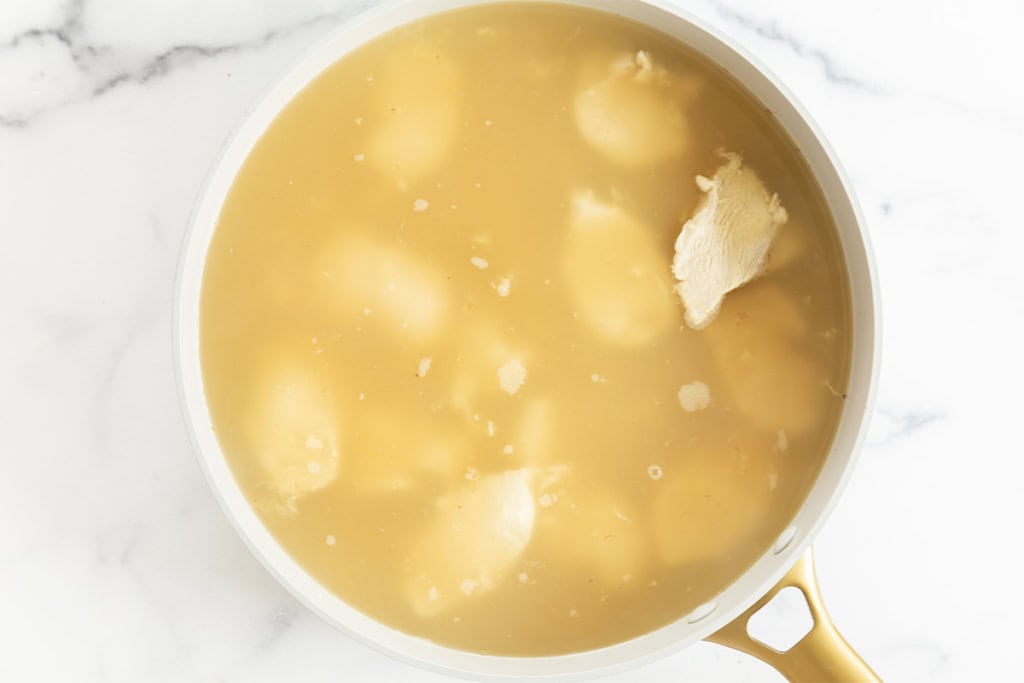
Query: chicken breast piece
[[709, 506], [724, 244], [361, 277], [534, 438], [292, 433], [788, 248], [615, 273], [393, 450], [416, 116], [755, 342], [471, 544], [633, 111], [608, 539], [488, 364]]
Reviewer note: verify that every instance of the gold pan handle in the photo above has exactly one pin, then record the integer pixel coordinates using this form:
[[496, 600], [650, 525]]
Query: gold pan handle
[[823, 655]]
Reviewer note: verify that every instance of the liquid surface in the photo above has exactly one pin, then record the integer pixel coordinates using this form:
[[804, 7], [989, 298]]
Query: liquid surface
[[442, 352]]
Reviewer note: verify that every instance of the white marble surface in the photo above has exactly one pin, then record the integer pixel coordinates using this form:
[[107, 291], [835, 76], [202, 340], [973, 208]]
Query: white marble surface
[[117, 565]]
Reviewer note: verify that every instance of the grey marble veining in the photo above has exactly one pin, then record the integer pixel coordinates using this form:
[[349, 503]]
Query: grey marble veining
[[117, 565], [101, 67]]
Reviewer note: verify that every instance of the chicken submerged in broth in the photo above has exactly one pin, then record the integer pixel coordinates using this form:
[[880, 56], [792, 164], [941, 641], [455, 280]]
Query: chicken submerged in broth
[[524, 329]]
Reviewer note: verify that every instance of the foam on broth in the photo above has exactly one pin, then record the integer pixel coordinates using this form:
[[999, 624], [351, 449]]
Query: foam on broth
[[443, 357]]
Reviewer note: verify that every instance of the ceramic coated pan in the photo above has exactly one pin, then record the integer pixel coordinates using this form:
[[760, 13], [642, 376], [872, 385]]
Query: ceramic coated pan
[[822, 654]]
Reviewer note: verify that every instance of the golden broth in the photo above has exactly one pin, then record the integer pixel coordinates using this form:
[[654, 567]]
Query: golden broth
[[442, 353]]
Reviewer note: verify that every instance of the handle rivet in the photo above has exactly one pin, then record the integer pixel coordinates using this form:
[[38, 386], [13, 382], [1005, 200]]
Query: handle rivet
[[785, 538]]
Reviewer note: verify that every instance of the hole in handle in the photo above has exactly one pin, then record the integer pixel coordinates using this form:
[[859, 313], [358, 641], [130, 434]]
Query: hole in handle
[[783, 622]]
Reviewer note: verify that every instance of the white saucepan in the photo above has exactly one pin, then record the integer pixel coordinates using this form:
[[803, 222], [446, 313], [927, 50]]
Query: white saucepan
[[822, 654]]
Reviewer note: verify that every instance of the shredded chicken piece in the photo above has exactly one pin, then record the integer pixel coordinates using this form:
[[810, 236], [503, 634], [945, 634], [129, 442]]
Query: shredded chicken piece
[[724, 244], [472, 542]]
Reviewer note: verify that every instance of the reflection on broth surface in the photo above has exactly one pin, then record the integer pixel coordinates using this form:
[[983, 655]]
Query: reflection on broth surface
[[444, 357]]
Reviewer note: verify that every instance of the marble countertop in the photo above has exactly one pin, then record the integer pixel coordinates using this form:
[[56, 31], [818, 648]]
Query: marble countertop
[[116, 563]]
